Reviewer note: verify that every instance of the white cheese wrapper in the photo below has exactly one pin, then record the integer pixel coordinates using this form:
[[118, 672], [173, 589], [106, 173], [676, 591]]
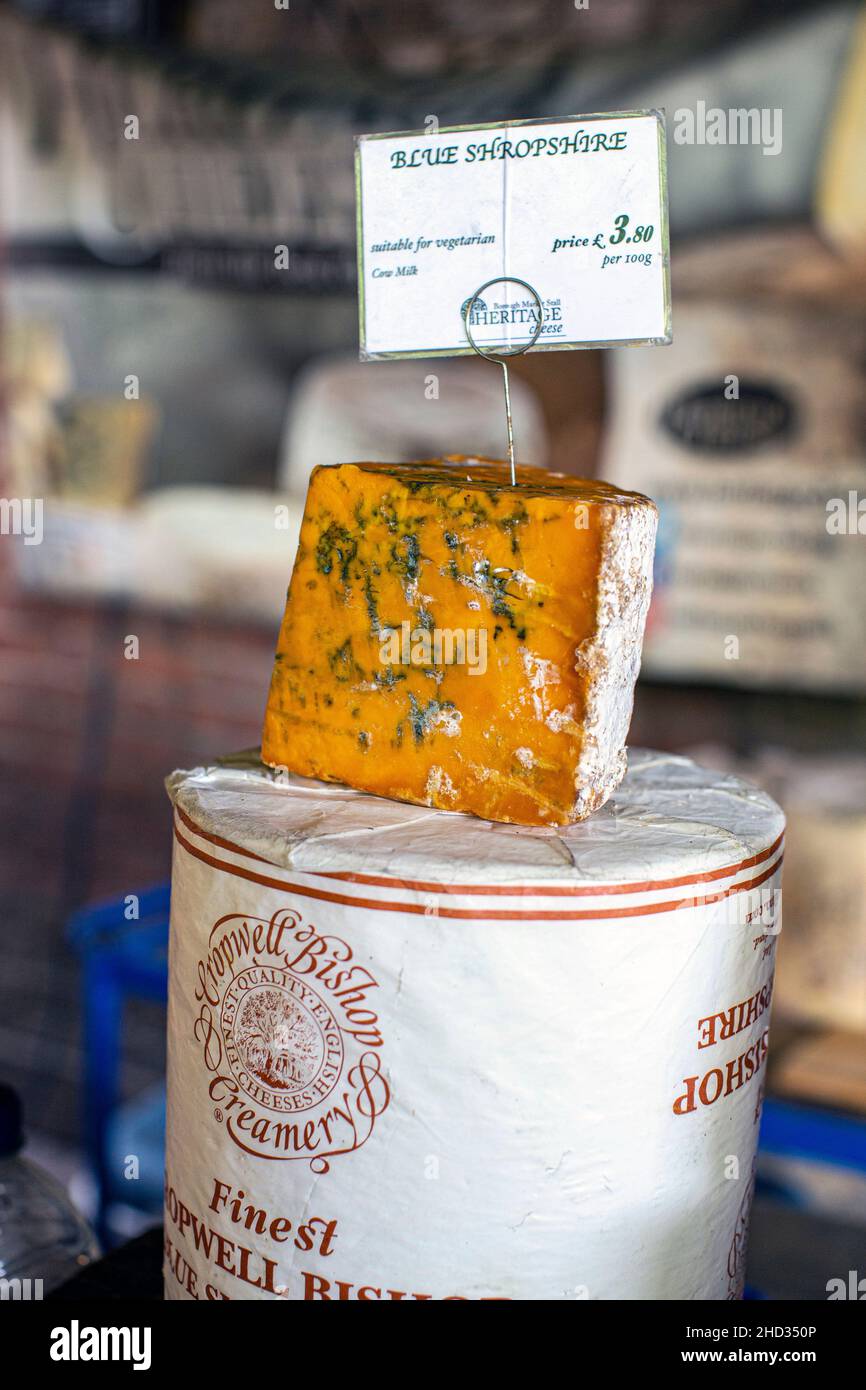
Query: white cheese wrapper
[[414, 1055]]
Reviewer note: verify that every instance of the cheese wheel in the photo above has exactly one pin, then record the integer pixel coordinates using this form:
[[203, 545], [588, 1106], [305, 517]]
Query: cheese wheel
[[453, 640], [413, 1055]]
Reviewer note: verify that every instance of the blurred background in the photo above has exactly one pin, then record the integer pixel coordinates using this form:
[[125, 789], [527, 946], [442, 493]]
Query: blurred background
[[167, 380]]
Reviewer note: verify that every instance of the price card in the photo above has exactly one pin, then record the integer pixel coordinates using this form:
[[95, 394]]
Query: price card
[[576, 208]]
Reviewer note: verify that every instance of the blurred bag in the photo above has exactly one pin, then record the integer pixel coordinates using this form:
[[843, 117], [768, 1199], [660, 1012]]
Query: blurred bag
[[390, 411]]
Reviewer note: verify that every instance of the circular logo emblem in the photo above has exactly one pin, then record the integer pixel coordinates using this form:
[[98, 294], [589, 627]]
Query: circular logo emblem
[[282, 1041], [479, 307], [704, 420]]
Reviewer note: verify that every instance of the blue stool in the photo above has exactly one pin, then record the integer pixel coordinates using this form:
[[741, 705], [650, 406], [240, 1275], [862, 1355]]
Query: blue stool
[[793, 1130], [121, 959]]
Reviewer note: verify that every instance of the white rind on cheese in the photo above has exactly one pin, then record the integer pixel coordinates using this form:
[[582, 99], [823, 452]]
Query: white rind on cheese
[[612, 657]]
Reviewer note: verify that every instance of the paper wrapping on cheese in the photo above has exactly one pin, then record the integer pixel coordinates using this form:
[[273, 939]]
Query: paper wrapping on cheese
[[821, 967], [414, 1055], [457, 641]]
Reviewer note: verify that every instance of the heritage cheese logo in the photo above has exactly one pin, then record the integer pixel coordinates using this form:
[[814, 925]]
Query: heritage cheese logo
[[290, 1038]]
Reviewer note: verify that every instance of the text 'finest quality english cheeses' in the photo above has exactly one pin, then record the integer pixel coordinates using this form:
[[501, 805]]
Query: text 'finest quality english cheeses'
[[455, 641]]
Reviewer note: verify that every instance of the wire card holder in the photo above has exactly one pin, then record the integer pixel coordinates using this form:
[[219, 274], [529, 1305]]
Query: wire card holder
[[499, 358]]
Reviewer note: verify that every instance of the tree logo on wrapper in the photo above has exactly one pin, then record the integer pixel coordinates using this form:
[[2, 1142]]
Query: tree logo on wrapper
[[290, 1039], [283, 1043], [740, 1240]]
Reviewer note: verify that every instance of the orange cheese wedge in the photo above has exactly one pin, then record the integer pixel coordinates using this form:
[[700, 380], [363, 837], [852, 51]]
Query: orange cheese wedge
[[453, 640]]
